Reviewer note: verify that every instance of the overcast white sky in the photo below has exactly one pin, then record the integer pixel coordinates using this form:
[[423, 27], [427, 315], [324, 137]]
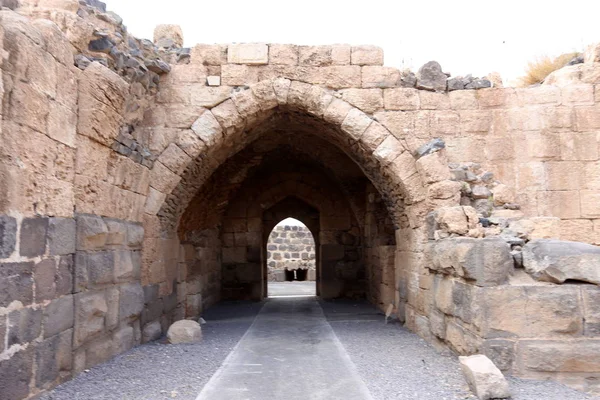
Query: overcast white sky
[[464, 36]]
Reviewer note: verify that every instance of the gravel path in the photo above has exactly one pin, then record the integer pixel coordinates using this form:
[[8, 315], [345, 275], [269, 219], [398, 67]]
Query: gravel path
[[397, 364], [394, 363], [156, 371]]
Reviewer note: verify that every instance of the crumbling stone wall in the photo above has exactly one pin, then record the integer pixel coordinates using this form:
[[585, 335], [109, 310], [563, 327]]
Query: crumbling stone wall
[[380, 243], [90, 149], [291, 247]]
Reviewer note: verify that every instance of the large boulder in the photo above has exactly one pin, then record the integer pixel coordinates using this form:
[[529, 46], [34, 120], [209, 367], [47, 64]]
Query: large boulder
[[184, 331], [484, 378], [558, 260], [431, 77], [486, 262]]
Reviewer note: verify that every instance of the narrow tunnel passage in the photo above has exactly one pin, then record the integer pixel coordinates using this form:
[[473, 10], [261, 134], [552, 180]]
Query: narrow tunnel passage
[[290, 170]]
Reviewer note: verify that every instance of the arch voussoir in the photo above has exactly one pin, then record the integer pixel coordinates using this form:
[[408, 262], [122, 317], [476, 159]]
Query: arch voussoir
[[226, 128]]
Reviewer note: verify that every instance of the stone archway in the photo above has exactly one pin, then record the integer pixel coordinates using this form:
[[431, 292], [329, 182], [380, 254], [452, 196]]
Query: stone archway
[[292, 207], [224, 130]]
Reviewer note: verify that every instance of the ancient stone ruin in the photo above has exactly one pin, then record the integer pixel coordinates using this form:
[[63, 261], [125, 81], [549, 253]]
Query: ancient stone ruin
[[139, 182], [290, 247]]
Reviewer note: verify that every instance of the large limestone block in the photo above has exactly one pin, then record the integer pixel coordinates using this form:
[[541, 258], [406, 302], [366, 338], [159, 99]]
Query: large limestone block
[[324, 55], [433, 168], [283, 54], [101, 103], [184, 331], [582, 356], [557, 261], [537, 227], [456, 219], [248, 53], [484, 378], [531, 311], [367, 55], [487, 261]]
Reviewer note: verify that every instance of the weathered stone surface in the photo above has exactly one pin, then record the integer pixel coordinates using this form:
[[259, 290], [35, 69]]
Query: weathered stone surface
[[101, 100], [209, 54], [53, 356], [487, 261], [531, 311], [484, 378], [123, 339], [501, 352], [90, 312], [184, 331], [366, 55], [16, 283], [32, 240], [24, 326], [431, 77], [431, 147], [131, 301], [324, 55], [433, 168], [207, 128], [58, 316], [557, 261], [8, 235], [44, 276], [61, 236], [402, 99], [355, 123], [248, 53], [169, 32], [152, 331], [64, 276], [284, 54], [92, 232], [11, 4], [381, 77], [560, 356], [94, 269], [15, 375], [457, 219]]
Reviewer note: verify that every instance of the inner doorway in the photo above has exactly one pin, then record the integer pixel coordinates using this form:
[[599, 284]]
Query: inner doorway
[[291, 260]]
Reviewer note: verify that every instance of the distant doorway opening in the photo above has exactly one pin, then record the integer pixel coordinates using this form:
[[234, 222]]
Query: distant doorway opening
[[291, 260]]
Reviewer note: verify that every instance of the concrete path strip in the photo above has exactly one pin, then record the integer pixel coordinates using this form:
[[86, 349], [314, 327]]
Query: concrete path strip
[[290, 352]]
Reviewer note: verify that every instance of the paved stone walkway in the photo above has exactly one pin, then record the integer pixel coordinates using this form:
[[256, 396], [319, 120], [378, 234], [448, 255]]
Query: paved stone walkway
[[290, 348], [290, 352], [305, 288]]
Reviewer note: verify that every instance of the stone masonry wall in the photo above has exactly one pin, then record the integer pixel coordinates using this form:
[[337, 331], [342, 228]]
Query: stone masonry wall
[[291, 247], [37, 303], [69, 299]]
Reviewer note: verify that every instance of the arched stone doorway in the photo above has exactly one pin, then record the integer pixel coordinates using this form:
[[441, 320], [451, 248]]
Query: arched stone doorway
[[290, 255], [288, 171], [275, 140]]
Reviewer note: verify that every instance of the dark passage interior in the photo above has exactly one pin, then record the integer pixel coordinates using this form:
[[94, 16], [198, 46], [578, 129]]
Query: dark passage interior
[[287, 170]]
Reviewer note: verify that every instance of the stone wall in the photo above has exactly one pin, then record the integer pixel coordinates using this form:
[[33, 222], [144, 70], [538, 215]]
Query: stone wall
[[182, 158], [291, 247], [37, 303]]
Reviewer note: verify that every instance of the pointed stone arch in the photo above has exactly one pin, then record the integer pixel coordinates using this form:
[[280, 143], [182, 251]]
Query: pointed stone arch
[[223, 130]]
